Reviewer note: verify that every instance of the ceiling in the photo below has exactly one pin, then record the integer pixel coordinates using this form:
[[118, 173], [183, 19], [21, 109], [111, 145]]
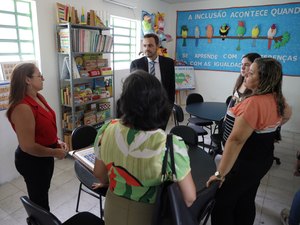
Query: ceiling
[[179, 1]]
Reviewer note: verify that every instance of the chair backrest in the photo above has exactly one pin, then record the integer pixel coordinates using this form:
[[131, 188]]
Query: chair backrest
[[199, 211], [221, 126], [178, 114], [228, 99], [37, 215], [84, 175], [83, 136], [194, 98], [181, 214], [204, 202], [187, 133]]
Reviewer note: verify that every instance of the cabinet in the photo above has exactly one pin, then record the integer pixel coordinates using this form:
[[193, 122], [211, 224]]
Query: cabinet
[[86, 78]]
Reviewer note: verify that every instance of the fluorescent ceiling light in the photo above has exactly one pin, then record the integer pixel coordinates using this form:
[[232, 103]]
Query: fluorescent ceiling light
[[124, 4]]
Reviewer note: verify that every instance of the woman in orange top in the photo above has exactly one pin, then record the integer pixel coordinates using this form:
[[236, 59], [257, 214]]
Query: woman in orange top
[[34, 122], [248, 152]]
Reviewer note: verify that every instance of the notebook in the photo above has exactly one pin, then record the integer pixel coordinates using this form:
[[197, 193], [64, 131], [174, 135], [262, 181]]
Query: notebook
[[86, 156]]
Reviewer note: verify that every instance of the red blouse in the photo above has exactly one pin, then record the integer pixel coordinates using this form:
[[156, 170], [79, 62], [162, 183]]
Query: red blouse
[[45, 121]]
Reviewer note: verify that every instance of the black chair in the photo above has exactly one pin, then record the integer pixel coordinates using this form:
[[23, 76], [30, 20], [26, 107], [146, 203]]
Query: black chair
[[196, 98], [82, 137], [203, 205], [196, 155], [277, 139], [216, 140], [39, 216], [179, 117], [201, 209], [228, 99]]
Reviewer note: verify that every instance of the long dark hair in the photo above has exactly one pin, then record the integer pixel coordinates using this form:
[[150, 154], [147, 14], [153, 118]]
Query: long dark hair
[[251, 57], [18, 85], [270, 80], [143, 102]]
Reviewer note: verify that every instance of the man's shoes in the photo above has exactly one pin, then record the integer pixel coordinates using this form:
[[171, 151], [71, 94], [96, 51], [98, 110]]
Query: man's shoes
[[284, 216]]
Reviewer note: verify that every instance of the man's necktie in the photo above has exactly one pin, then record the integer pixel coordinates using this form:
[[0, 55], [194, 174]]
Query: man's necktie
[[152, 68]]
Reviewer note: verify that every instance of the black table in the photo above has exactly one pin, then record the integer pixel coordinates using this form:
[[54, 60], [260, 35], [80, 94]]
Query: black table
[[202, 166], [214, 111]]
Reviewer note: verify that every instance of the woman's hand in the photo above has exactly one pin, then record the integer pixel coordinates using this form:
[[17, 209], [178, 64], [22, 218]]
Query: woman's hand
[[98, 185], [214, 178], [60, 153], [63, 145]]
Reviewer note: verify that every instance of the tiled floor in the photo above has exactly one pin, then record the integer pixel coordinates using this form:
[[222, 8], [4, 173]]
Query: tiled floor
[[275, 192]]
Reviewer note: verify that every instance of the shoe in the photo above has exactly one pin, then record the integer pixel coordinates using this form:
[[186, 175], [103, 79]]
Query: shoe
[[284, 216]]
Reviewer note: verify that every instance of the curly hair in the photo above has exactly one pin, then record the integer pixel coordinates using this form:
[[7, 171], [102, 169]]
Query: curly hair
[[251, 57], [143, 102], [270, 80]]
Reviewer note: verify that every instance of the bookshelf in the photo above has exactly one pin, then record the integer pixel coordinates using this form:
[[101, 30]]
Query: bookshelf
[[86, 77]]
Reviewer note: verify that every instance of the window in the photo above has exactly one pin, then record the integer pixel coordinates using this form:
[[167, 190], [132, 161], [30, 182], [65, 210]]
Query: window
[[16, 31], [125, 41]]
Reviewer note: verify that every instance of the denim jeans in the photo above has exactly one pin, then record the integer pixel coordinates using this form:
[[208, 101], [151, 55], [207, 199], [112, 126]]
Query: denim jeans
[[294, 218]]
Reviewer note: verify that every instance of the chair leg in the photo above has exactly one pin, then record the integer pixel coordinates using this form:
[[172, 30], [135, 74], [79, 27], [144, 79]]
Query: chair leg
[[277, 160], [210, 208], [101, 209], [78, 197]]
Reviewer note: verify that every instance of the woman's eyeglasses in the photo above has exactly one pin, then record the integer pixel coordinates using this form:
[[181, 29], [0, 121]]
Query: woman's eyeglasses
[[39, 76]]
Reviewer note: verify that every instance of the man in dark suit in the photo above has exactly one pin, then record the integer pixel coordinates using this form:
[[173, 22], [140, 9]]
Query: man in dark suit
[[163, 67]]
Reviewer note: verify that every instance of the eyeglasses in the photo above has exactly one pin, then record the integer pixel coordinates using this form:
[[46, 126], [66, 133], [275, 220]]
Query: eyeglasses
[[39, 76]]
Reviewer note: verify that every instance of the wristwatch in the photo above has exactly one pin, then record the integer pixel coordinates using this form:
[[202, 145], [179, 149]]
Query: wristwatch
[[218, 175]]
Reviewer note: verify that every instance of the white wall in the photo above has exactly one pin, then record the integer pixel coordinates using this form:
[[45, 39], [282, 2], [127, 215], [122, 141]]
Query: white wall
[[216, 86], [46, 15]]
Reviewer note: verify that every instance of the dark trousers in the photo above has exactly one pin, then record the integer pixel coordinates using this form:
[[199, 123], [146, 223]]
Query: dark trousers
[[37, 173], [235, 200]]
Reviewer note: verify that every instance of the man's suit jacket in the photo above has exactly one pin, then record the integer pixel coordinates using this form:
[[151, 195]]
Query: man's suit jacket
[[167, 71]]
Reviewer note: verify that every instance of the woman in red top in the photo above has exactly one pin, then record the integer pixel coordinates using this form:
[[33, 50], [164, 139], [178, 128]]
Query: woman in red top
[[249, 148], [35, 125]]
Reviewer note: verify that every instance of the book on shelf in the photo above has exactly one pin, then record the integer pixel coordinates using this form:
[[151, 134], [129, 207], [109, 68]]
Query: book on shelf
[[64, 40], [85, 40], [65, 73]]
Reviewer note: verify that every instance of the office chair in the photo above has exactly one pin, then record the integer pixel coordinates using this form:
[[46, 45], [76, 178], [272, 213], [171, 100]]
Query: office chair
[[82, 137], [196, 154], [216, 140], [277, 139], [200, 210], [228, 99], [203, 205], [39, 216], [179, 117], [197, 98]]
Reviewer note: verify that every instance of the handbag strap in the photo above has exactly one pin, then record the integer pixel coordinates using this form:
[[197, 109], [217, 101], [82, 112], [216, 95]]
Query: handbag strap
[[169, 150]]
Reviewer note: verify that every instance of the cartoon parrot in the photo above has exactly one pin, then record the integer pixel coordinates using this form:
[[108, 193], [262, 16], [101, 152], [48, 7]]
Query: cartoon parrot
[[184, 34], [254, 35], [223, 31], [197, 35], [240, 31], [209, 32], [271, 34]]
